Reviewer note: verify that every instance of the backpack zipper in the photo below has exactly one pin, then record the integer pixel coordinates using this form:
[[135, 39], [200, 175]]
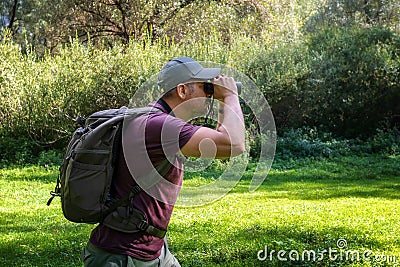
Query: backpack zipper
[[96, 151]]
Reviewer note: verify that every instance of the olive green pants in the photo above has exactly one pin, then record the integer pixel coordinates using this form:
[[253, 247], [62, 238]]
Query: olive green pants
[[95, 257]]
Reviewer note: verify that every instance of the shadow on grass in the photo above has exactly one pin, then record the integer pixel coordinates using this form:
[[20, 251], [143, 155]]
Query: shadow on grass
[[296, 188], [364, 177]]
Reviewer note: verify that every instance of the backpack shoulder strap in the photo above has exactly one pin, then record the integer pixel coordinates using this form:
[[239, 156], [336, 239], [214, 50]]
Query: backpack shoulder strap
[[162, 169]]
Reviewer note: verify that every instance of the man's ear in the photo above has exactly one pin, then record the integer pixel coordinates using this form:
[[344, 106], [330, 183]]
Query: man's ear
[[180, 90]]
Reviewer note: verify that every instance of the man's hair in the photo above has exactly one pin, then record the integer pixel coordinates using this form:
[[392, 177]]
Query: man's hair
[[169, 94]]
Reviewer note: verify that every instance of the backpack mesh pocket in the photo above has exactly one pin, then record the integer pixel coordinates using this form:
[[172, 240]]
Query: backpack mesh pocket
[[83, 186]]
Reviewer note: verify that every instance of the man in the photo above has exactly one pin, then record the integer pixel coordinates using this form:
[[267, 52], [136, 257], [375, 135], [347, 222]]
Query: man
[[160, 137]]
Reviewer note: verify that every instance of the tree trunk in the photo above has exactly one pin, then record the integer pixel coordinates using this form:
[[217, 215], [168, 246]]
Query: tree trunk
[[13, 14]]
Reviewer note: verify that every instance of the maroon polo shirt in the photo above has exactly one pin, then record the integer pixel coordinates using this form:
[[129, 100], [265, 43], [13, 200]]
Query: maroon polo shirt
[[164, 135]]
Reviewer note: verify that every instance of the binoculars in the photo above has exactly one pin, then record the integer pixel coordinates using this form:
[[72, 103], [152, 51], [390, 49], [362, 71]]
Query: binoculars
[[209, 88]]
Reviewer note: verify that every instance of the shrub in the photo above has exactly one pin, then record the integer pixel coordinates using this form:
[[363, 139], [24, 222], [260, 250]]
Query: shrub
[[340, 80], [354, 81], [308, 143], [280, 74], [383, 142], [50, 158], [311, 143], [21, 151]]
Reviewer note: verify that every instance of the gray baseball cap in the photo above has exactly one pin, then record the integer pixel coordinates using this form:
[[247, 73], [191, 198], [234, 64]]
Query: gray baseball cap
[[183, 70]]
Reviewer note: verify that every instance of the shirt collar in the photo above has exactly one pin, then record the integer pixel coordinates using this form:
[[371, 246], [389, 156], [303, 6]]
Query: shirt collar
[[164, 107]]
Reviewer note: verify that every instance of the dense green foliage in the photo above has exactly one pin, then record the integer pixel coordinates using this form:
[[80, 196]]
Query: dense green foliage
[[344, 81], [308, 205], [354, 84]]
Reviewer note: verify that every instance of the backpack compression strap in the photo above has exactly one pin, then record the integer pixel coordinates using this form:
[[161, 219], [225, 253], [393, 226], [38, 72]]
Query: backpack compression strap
[[136, 217]]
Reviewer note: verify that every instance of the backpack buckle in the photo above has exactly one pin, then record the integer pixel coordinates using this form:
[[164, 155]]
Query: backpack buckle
[[142, 225]]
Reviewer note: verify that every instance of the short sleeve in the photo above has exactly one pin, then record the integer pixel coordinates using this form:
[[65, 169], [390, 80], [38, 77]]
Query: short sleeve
[[167, 133]]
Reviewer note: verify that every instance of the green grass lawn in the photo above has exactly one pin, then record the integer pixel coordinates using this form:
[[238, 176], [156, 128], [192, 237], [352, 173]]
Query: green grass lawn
[[302, 207]]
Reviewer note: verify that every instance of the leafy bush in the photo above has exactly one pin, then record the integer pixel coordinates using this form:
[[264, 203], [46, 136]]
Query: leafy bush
[[354, 81], [383, 142], [307, 142], [50, 158], [280, 74], [19, 151], [340, 80]]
